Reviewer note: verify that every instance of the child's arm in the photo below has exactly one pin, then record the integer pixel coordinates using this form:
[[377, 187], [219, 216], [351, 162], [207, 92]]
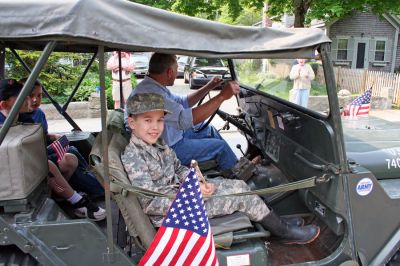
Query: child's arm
[[139, 175]]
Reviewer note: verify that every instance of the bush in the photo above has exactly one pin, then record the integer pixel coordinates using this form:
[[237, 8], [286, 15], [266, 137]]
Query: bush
[[61, 73]]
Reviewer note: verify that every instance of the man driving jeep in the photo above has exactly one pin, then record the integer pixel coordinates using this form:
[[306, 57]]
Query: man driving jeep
[[179, 133]]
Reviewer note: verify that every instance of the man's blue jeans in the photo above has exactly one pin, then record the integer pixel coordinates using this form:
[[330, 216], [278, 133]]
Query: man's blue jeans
[[203, 146]]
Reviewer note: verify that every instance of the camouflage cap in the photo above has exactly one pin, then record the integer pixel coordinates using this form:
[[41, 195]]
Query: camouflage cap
[[145, 102]]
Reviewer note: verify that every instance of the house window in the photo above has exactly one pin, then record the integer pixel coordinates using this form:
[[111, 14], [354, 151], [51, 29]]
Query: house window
[[380, 50], [342, 49]]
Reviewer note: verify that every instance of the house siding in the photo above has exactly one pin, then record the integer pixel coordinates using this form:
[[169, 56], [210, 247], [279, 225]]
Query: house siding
[[397, 65], [366, 26]]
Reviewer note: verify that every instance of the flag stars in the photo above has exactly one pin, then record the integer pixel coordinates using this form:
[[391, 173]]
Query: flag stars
[[187, 210]]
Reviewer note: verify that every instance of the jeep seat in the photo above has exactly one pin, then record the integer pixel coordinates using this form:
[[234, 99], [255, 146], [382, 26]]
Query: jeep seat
[[226, 229], [23, 165]]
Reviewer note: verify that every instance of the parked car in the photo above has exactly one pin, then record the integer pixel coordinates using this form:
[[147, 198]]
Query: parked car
[[198, 71], [182, 62], [141, 63]]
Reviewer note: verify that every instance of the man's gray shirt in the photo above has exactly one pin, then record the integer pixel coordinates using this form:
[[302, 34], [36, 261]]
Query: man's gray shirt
[[181, 114]]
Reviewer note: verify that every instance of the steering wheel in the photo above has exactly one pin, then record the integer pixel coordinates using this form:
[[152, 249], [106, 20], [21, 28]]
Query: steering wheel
[[205, 124]]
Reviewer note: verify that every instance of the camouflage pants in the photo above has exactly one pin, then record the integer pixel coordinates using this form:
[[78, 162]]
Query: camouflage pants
[[251, 205]]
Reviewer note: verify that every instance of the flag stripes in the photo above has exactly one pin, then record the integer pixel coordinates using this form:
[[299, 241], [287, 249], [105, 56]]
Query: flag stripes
[[185, 236]]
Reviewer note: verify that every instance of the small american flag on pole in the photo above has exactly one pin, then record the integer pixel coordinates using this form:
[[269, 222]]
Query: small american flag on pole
[[60, 147], [360, 106], [184, 237]]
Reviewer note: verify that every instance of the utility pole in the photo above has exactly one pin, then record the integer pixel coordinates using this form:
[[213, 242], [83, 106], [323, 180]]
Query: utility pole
[[266, 22], [2, 62]]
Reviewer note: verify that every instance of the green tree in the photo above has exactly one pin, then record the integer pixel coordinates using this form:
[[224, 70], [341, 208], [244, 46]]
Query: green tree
[[210, 9], [327, 10], [60, 74], [249, 16]]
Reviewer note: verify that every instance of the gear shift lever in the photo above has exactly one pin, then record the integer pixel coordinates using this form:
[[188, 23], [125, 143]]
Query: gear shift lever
[[238, 146]]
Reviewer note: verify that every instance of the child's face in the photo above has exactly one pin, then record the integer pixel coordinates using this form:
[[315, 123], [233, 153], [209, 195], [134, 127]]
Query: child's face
[[36, 97], [147, 126], [9, 103]]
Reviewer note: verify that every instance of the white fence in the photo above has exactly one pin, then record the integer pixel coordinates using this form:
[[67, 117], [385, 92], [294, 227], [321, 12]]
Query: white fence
[[358, 80]]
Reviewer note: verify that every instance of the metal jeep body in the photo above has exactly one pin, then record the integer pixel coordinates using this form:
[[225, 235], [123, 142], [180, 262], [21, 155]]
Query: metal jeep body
[[354, 197]]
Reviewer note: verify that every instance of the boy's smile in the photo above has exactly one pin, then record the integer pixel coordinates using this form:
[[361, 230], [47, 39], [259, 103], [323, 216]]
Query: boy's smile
[[147, 126]]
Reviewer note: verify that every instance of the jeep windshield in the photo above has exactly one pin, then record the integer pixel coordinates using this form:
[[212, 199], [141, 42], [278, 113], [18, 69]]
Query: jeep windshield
[[274, 77]]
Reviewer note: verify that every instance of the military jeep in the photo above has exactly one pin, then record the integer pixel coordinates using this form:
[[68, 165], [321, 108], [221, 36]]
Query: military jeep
[[346, 182]]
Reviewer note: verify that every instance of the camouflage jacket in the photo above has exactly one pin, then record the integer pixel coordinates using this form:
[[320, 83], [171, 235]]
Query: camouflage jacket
[[154, 167]]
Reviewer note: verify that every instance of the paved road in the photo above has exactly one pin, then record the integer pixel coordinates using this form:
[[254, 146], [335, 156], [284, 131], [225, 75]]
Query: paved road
[[232, 136]]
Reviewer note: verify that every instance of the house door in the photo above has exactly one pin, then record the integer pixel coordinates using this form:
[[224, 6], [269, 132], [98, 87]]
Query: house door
[[361, 55]]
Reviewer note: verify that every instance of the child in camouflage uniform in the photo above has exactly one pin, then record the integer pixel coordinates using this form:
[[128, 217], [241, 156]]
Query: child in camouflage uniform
[[152, 165]]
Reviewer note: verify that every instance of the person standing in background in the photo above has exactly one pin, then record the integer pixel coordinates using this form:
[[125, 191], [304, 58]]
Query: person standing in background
[[127, 68], [301, 74]]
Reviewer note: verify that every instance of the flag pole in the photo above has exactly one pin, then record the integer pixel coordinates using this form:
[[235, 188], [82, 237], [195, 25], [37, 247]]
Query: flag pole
[[195, 165]]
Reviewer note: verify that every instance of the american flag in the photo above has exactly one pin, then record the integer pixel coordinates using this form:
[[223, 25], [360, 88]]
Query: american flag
[[359, 106], [184, 237], [60, 147]]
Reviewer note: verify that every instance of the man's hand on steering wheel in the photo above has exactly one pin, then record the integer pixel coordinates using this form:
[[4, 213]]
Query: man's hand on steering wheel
[[230, 88], [213, 83]]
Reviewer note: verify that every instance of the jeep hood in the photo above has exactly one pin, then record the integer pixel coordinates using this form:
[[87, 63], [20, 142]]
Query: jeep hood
[[374, 143]]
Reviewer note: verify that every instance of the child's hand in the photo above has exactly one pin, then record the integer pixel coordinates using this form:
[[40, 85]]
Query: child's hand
[[207, 189], [54, 137]]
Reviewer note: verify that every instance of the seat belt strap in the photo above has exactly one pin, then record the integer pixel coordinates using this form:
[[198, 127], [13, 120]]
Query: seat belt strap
[[301, 184]]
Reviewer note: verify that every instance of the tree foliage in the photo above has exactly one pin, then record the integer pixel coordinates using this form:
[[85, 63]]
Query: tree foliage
[[59, 75], [210, 9], [327, 10], [303, 10]]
